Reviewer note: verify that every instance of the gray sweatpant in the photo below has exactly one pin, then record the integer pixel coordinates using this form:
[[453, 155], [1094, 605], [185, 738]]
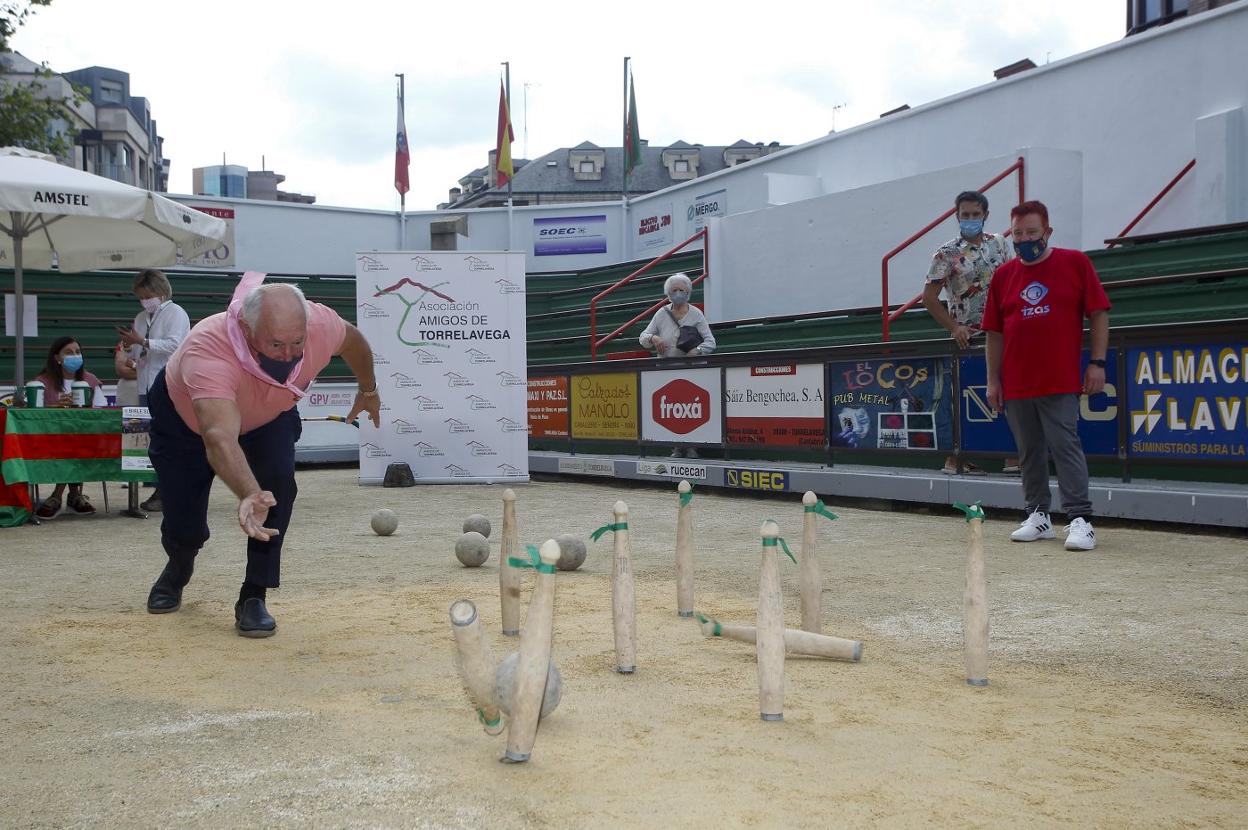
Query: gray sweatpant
[[1047, 426]]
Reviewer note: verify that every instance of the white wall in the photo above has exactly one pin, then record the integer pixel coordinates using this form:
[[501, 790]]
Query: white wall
[[1108, 129]]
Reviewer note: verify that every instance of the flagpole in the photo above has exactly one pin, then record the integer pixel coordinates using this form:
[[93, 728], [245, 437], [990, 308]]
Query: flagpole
[[624, 173], [403, 196], [507, 86]]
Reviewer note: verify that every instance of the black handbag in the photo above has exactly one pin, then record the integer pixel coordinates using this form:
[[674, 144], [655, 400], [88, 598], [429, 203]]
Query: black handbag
[[688, 338]]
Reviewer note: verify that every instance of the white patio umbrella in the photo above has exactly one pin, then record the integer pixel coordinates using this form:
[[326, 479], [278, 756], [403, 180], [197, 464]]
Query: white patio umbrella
[[88, 222]]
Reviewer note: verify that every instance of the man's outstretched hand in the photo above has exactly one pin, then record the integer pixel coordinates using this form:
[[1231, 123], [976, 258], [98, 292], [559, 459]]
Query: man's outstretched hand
[[252, 513]]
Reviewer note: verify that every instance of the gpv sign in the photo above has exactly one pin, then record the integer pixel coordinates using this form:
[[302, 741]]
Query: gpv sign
[[984, 430]]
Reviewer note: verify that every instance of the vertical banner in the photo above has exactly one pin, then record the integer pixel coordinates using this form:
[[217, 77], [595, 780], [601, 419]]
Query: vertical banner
[[653, 227], [1188, 401], [136, 436], [682, 406], [892, 404], [447, 330], [548, 406], [605, 406], [984, 430], [779, 405]]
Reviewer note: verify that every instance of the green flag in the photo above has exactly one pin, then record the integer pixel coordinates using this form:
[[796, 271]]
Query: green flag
[[632, 137]]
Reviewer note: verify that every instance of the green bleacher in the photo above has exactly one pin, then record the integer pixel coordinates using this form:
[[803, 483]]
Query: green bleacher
[[1193, 277]]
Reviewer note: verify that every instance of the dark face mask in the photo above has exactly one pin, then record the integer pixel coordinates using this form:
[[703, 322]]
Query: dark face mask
[[279, 370]]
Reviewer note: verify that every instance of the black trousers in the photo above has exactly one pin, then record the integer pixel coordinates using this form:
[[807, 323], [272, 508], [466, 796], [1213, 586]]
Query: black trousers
[[181, 463]]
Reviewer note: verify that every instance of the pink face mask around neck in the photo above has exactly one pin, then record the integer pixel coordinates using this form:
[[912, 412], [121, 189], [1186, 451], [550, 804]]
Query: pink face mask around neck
[[238, 339]]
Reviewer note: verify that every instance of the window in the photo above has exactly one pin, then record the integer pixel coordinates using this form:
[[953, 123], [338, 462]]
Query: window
[[110, 92], [586, 167], [680, 166], [1144, 14]]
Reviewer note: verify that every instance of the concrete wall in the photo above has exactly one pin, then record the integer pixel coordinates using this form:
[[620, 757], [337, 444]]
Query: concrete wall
[[1107, 129]]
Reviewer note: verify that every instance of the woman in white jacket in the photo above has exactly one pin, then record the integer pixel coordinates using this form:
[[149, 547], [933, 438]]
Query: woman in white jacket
[[157, 332], [663, 333]]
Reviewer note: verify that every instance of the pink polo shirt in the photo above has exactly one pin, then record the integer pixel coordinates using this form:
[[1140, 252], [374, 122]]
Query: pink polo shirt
[[206, 366]]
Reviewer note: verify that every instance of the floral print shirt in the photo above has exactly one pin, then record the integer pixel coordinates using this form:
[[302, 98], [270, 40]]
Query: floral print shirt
[[965, 270]]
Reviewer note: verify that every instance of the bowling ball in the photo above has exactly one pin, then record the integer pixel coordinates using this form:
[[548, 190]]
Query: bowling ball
[[571, 552], [472, 550], [505, 680], [384, 522], [477, 524]]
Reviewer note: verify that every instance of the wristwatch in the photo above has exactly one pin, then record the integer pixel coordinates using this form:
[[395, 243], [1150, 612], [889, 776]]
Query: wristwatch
[[1097, 361]]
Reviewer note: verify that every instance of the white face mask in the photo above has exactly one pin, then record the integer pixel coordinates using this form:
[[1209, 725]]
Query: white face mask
[[150, 304]]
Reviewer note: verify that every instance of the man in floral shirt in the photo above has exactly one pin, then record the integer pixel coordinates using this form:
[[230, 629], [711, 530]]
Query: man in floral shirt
[[963, 268]]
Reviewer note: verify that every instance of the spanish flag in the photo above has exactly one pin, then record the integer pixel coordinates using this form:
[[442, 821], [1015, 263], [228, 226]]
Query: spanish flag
[[505, 136]]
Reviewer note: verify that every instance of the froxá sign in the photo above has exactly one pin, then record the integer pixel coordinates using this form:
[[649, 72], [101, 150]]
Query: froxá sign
[[682, 406]]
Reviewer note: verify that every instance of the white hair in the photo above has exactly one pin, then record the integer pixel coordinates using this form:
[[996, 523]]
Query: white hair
[[677, 280], [254, 299]]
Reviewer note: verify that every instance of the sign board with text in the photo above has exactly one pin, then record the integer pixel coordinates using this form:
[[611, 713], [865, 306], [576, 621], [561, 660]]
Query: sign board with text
[[605, 406], [892, 404], [1188, 401], [780, 405], [548, 406], [682, 406]]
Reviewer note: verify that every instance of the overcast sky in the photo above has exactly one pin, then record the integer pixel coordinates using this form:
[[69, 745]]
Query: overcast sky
[[310, 85]]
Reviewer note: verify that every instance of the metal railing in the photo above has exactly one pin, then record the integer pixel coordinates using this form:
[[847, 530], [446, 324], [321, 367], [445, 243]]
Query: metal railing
[[888, 317], [594, 341], [1152, 204]]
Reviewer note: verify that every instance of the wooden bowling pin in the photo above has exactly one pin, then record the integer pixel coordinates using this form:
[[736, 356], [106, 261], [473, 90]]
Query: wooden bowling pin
[[623, 596], [975, 605], [509, 578], [534, 665], [684, 551], [804, 643], [769, 640], [810, 578], [476, 664]]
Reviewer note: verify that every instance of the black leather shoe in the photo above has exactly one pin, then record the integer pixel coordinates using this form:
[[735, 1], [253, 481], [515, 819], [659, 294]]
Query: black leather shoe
[[252, 619], [166, 593]]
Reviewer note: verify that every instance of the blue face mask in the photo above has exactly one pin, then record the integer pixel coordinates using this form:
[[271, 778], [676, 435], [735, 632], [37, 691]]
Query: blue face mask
[[279, 370], [1030, 251], [72, 363], [971, 228], [679, 297]]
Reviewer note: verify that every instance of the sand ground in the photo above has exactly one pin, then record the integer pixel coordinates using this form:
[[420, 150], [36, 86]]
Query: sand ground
[[1118, 694]]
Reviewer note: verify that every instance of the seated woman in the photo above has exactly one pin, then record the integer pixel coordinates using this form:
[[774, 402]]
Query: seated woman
[[63, 367]]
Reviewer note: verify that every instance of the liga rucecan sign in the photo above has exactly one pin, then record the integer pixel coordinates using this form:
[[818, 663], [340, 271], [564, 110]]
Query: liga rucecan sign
[[682, 406], [780, 405], [1188, 401]]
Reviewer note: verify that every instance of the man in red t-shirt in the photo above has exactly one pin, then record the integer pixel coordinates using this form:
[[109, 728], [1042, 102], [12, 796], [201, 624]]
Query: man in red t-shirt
[[1034, 320]]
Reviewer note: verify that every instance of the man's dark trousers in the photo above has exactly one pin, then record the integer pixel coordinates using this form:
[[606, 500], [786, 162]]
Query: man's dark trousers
[[186, 477]]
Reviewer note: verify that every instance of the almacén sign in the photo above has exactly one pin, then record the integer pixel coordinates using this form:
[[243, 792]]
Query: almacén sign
[[1188, 401]]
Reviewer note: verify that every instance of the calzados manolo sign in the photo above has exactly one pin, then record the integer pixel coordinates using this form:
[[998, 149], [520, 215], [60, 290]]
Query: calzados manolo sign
[[447, 330]]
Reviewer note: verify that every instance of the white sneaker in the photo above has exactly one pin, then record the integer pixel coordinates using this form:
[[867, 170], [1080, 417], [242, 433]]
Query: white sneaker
[[1080, 535], [1036, 526]]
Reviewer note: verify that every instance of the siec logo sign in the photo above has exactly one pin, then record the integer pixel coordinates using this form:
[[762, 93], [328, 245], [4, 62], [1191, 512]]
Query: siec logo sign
[[681, 407]]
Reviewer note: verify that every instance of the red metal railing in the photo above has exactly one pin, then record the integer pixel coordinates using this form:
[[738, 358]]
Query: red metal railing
[[884, 311], [594, 342], [1153, 203]]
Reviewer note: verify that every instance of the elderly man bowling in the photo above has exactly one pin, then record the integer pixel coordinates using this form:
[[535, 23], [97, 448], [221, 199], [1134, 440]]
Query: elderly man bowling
[[226, 406]]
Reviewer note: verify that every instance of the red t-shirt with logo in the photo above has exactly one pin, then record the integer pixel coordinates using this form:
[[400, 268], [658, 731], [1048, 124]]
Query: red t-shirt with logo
[[1039, 311]]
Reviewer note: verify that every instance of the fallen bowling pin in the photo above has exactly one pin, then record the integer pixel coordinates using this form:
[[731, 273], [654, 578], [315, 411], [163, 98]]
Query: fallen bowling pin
[[804, 643], [684, 550], [476, 664], [509, 578], [534, 661], [769, 639], [975, 601], [623, 595]]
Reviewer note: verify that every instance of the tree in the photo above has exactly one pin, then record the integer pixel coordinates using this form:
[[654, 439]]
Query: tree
[[28, 113]]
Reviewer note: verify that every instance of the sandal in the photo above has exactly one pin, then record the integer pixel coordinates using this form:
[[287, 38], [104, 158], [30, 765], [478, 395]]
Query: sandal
[[80, 505], [50, 507]]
